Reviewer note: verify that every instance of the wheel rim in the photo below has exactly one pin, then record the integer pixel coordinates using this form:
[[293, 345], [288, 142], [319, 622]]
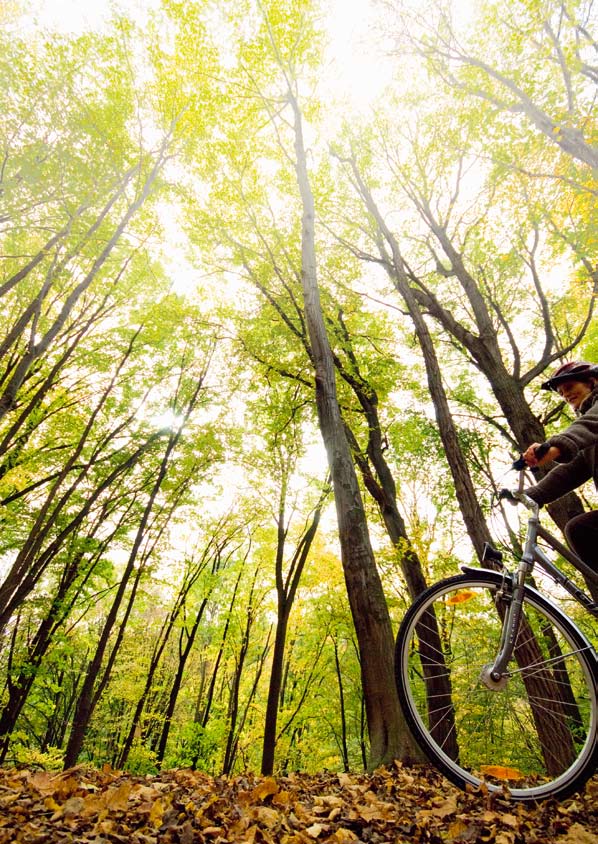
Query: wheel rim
[[500, 734]]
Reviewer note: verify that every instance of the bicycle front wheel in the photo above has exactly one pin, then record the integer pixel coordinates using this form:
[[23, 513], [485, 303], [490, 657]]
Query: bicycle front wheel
[[534, 730]]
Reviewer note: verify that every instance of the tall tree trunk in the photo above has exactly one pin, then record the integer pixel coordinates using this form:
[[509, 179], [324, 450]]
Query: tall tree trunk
[[286, 589], [394, 265], [341, 703], [59, 609], [389, 738], [274, 689], [88, 697], [484, 348], [177, 683], [184, 652], [233, 704], [155, 660]]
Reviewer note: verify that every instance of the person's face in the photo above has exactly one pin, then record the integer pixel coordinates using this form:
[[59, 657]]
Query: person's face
[[574, 392]]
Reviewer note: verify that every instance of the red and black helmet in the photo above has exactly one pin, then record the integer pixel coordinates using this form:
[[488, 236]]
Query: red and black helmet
[[575, 370]]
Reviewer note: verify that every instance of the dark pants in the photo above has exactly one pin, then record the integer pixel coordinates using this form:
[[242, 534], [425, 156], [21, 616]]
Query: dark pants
[[582, 535]]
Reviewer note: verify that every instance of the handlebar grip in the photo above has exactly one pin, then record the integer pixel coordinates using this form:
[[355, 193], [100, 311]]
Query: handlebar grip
[[540, 451]]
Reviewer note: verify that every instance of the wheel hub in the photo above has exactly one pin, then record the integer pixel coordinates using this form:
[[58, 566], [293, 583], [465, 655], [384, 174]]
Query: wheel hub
[[488, 678]]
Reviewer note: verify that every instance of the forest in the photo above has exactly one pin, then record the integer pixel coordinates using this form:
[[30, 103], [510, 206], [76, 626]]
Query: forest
[[267, 353]]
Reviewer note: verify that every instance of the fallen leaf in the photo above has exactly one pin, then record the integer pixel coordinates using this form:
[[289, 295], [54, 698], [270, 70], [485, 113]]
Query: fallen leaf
[[264, 789], [501, 772], [343, 836], [578, 834], [266, 816], [51, 804], [157, 813], [447, 808], [282, 798], [73, 806], [456, 830], [118, 798], [505, 838], [88, 806]]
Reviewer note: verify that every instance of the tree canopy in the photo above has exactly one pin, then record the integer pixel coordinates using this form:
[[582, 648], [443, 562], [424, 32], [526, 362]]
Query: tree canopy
[[266, 355]]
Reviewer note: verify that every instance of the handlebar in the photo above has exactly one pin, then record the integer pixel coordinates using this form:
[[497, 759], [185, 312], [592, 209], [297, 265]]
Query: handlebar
[[518, 496], [540, 451]]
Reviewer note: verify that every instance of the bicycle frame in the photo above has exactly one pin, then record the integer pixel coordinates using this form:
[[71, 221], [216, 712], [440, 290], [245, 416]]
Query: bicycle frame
[[509, 696], [514, 585]]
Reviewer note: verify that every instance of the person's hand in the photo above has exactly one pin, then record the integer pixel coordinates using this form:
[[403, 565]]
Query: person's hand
[[532, 459]]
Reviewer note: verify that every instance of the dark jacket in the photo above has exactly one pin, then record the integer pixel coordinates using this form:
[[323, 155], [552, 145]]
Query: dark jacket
[[578, 462]]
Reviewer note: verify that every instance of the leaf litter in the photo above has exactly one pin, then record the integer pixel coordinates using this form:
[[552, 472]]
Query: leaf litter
[[393, 805]]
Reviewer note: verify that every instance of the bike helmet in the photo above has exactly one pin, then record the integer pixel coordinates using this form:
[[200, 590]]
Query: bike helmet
[[575, 370]]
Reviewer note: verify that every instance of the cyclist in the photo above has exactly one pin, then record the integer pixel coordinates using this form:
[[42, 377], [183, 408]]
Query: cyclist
[[575, 451]]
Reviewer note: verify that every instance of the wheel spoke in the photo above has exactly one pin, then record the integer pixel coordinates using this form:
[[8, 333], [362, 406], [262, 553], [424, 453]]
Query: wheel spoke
[[538, 732]]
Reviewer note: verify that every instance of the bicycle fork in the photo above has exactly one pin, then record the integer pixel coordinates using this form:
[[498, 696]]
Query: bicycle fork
[[494, 675]]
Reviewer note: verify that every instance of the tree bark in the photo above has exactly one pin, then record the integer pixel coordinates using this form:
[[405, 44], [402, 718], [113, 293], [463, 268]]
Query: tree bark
[[286, 589], [89, 695], [389, 738], [394, 265]]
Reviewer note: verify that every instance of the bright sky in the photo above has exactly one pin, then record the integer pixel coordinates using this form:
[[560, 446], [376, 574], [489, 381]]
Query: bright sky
[[356, 69]]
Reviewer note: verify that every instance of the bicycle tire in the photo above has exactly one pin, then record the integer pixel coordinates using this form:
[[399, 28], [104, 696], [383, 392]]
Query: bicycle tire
[[503, 737]]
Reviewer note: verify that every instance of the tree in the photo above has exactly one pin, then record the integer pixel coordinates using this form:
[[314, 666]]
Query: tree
[[462, 287], [184, 402], [538, 61], [287, 584], [368, 605], [288, 41], [195, 567]]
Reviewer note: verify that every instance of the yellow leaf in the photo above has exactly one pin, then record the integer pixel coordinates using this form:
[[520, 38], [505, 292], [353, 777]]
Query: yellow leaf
[[43, 782], [456, 829], [117, 798], [460, 597], [51, 804], [448, 807], [505, 838], [95, 804], [265, 789], [156, 813], [343, 836], [501, 772], [373, 812], [282, 798], [265, 816], [578, 834]]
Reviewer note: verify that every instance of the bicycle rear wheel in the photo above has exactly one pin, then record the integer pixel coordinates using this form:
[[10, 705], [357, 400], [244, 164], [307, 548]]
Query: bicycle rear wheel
[[535, 731]]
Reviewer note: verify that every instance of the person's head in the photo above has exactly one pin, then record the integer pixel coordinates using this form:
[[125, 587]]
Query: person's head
[[574, 381]]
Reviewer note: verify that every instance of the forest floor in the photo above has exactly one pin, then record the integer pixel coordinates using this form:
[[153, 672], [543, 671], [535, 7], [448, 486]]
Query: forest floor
[[392, 806]]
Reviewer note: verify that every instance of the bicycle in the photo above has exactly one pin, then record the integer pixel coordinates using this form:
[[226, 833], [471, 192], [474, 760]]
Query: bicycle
[[497, 683]]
